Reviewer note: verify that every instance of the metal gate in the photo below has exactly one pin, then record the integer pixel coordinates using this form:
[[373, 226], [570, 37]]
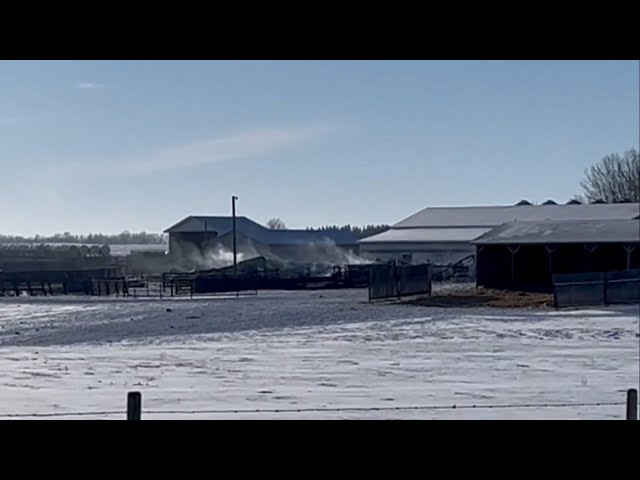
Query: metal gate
[[394, 281]]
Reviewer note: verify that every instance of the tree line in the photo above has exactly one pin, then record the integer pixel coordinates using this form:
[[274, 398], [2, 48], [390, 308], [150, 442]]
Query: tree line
[[124, 238], [357, 231]]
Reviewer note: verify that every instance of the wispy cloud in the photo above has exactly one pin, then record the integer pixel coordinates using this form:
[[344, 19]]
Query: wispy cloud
[[246, 145], [251, 144], [90, 85]]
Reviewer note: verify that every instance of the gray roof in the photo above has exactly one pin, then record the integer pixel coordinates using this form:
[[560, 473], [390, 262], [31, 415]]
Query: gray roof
[[494, 216], [264, 235], [422, 235], [602, 231]]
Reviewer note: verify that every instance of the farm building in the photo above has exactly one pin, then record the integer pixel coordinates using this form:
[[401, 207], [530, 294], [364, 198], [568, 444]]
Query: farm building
[[444, 235], [202, 239], [524, 255]]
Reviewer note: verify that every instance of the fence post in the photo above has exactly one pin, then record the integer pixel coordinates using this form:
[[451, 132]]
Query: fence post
[[134, 406], [632, 404]]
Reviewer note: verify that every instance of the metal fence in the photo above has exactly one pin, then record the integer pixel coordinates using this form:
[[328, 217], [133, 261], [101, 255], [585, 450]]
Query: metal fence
[[134, 409], [596, 288], [394, 281]]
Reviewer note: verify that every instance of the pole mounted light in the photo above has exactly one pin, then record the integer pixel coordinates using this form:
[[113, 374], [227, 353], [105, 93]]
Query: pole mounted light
[[233, 215]]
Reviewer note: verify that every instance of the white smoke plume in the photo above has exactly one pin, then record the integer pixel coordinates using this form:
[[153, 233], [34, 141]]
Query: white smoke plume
[[318, 258]]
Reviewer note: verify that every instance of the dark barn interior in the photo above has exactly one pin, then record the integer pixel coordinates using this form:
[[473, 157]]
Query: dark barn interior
[[529, 268], [510, 259]]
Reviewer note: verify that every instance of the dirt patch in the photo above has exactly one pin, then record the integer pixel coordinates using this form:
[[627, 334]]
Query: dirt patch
[[480, 297]]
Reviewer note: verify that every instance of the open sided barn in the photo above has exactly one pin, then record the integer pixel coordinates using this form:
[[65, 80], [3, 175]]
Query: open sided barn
[[524, 255], [203, 236], [442, 235]]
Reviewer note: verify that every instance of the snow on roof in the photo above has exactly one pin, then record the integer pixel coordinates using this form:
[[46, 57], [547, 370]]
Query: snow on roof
[[421, 235], [603, 231], [494, 216]]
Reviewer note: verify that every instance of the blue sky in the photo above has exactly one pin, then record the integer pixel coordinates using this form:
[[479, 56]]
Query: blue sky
[[97, 146]]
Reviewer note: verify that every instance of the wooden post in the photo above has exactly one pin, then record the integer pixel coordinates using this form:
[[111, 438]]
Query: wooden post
[[513, 251], [632, 404], [134, 406], [550, 251], [629, 249], [590, 249]]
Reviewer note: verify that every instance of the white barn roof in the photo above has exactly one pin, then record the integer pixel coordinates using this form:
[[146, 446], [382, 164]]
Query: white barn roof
[[465, 224], [421, 235], [494, 216], [601, 231]]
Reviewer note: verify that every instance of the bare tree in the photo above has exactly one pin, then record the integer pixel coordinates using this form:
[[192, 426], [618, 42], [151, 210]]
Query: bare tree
[[615, 179], [276, 224]]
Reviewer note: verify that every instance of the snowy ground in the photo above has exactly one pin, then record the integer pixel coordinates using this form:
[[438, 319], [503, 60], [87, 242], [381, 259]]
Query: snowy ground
[[301, 350]]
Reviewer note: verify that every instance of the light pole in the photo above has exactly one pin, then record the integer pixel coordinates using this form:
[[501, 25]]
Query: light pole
[[233, 214]]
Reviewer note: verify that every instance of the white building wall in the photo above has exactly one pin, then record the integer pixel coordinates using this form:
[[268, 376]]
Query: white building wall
[[435, 253]]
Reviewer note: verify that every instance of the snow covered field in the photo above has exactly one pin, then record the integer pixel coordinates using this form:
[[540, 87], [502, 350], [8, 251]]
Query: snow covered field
[[305, 350]]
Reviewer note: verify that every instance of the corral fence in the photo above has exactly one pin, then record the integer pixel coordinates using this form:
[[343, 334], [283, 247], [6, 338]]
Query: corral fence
[[394, 281], [596, 288]]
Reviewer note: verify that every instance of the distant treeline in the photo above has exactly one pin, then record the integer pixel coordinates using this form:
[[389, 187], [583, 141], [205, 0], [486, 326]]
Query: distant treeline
[[359, 232], [144, 238], [124, 238]]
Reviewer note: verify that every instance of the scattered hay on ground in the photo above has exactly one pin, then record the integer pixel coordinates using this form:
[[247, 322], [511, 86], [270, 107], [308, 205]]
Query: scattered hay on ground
[[480, 297]]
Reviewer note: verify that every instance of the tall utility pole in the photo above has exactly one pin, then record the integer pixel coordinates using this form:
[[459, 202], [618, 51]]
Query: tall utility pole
[[233, 214]]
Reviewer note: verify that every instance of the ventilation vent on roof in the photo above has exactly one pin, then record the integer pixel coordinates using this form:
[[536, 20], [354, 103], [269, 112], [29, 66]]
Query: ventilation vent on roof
[[574, 202], [598, 201], [523, 202], [549, 202]]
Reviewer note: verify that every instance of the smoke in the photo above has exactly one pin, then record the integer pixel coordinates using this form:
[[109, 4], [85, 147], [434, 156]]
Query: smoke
[[188, 257], [318, 258]]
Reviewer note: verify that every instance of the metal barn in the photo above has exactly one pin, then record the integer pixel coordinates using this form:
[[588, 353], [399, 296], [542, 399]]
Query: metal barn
[[443, 235], [524, 256], [197, 235]]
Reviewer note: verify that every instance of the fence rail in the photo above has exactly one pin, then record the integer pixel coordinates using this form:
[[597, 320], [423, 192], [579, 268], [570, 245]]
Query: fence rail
[[134, 409], [596, 288]]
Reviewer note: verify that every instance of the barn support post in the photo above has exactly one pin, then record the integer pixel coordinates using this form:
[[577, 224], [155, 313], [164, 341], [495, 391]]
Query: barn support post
[[513, 251], [479, 249], [550, 251], [629, 249], [590, 249]]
